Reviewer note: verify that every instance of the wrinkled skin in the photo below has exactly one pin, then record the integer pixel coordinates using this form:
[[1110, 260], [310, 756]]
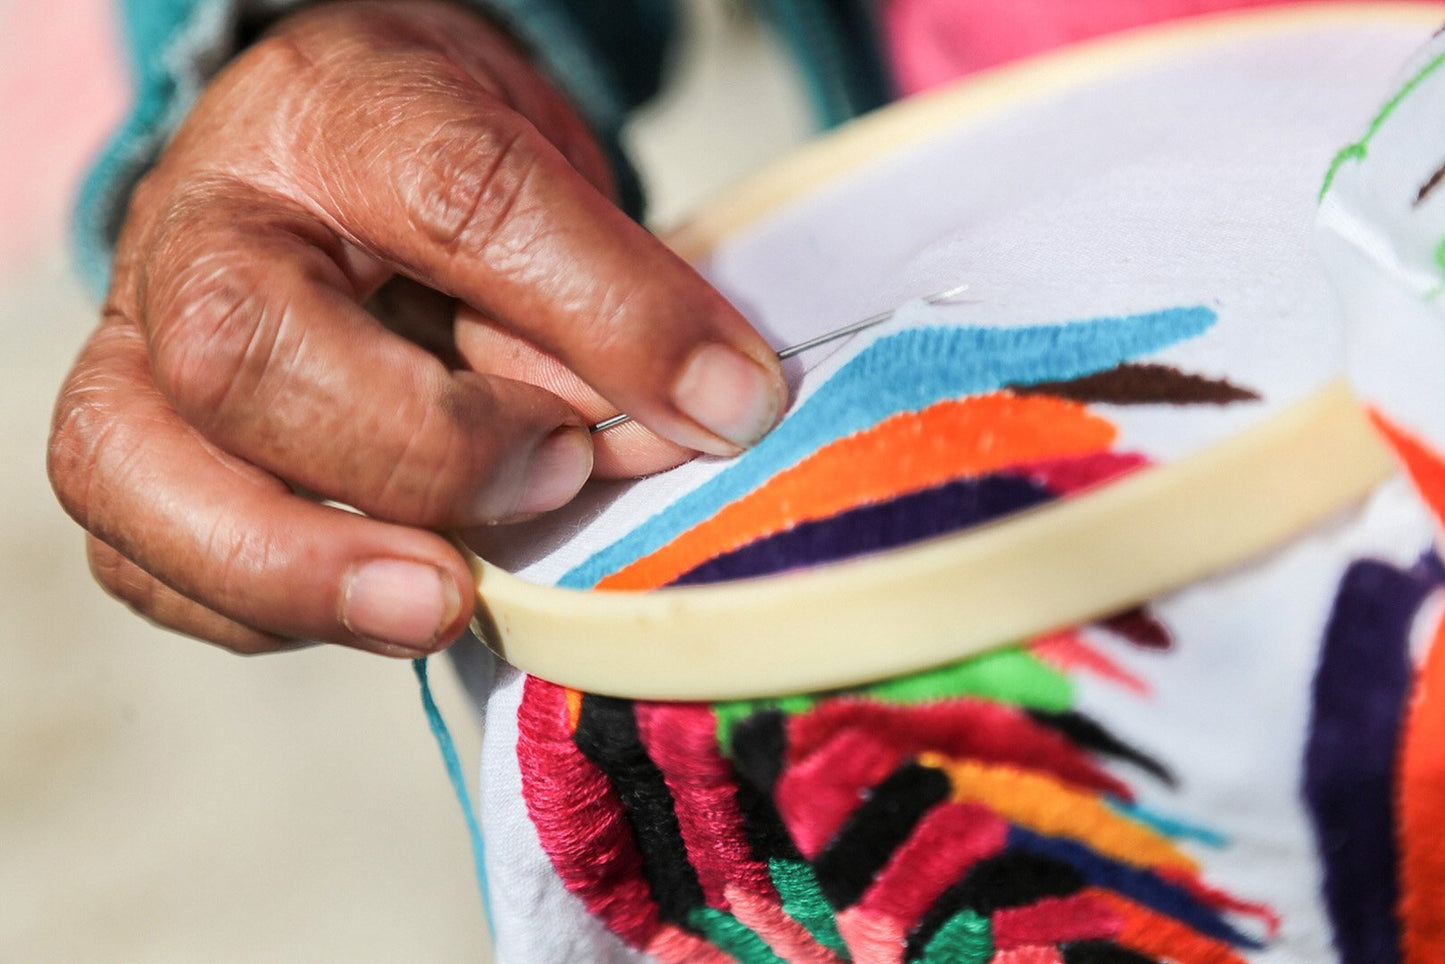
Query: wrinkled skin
[[360, 157]]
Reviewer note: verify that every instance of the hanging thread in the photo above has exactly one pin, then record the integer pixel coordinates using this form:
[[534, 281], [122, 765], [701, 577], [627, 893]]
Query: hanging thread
[[458, 779]]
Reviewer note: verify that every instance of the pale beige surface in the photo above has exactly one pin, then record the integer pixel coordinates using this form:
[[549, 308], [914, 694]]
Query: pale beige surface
[[161, 801]]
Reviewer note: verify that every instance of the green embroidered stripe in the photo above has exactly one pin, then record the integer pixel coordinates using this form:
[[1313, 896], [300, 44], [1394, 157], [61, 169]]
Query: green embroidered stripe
[[966, 939], [1012, 675], [732, 936], [1358, 150], [804, 902], [1435, 292]]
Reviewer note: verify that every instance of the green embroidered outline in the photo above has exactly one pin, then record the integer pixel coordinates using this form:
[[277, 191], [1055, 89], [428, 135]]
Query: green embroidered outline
[[1358, 150]]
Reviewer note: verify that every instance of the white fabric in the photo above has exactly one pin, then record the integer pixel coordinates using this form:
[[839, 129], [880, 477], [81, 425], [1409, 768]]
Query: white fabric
[[1384, 249], [1187, 182], [1230, 704], [1191, 182]]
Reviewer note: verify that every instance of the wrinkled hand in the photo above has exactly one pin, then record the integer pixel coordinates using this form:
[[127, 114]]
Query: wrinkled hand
[[237, 372]]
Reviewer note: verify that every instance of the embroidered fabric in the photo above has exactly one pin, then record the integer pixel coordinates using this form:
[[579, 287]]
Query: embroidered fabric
[[1213, 777]]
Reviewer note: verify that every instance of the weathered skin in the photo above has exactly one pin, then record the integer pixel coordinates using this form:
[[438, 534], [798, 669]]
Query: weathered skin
[[235, 374]]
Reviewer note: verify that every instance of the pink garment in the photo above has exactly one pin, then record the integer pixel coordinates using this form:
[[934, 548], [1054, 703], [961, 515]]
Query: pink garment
[[934, 41], [62, 89]]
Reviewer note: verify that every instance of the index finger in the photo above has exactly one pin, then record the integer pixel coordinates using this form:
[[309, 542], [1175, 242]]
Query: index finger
[[462, 192]]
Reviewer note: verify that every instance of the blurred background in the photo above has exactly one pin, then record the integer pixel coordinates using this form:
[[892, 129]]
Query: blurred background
[[160, 800]]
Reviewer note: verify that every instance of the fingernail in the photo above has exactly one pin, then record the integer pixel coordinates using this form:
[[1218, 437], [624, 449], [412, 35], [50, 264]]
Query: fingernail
[[728, 394], [556, 471], [401, 602]]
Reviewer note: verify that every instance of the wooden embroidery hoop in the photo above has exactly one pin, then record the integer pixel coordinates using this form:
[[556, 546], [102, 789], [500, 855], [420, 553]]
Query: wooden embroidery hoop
[[935, 602]]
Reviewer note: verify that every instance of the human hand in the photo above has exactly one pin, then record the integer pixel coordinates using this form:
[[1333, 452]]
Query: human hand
[[235, 372]]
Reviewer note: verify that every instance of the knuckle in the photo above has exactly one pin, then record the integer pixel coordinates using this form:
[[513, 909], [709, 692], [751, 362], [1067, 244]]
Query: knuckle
[[213, 334], [87, 435], [617, 307], [463, 187], [239, 557], [438, 463], [292, 53], [146, 596], [121, 579]]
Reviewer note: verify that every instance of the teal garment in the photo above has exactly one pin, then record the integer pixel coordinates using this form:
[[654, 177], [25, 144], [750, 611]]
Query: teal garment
[[607, 55]]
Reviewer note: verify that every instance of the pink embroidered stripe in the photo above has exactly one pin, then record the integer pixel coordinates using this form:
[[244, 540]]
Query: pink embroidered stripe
[[1069, 652], [964, 728], [1055, 920], [580, 820], [682, 740], [787, 938], [948, 841], [815, 796]]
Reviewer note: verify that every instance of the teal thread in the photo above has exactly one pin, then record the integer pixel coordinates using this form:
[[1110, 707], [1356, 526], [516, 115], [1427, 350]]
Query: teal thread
[[802, 899], [1170, 827], [966, 939], [732, 936], [458, 778], [1358, 150]]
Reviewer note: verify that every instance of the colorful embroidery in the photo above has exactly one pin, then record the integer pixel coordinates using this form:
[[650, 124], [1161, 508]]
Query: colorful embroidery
[[1361, 690], [968, 813], [903, 454], [1420, 789], [860, 826], [905, 372]]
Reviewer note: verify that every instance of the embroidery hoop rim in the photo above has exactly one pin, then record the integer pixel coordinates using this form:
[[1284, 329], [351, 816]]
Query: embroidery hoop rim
[[1132, 540], [1234, 501]]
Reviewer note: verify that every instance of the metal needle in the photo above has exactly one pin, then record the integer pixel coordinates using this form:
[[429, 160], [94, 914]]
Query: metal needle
[[937, 297]]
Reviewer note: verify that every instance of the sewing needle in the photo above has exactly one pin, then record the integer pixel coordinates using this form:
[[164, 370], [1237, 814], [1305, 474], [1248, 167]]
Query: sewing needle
[[938, 297]]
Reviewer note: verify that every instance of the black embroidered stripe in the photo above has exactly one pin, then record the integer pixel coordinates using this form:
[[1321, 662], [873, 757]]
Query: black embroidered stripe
[[1086, 733], [758, 745], [762, 825], [888, 815], [1102, 952], [1014, 878], [607, 736]]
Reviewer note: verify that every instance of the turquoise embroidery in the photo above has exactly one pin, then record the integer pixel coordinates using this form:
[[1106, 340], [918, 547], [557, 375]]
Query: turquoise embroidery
[[904, 372]]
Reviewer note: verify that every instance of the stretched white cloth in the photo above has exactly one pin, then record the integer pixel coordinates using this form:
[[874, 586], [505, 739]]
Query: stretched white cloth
[[1146, 207]]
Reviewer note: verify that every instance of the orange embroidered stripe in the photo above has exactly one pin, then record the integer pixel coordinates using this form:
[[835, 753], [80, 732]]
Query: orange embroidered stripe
[[1422, 810], [574, 708], [1044, 805], [1161, 937], [1425, 467], [906, 453]]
